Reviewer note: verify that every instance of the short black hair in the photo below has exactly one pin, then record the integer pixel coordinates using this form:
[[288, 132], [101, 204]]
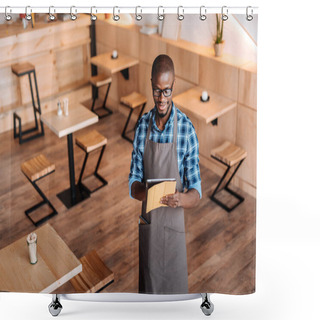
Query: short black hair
[[162, 64]]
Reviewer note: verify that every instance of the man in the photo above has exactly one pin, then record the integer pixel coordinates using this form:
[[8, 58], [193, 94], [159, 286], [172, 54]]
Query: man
[[165, 146]]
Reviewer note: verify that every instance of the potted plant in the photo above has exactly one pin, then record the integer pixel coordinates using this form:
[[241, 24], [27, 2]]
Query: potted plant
[[219, 42]]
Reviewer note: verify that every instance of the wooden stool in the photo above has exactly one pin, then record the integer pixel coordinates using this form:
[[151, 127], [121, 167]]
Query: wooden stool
[[21, 69], [35, 169], [133, 101], [88, 143], [95, 275], [230, 155], [98, 82]]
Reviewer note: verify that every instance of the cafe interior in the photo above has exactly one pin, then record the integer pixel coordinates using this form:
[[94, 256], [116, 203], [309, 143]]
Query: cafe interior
[[71, 93]]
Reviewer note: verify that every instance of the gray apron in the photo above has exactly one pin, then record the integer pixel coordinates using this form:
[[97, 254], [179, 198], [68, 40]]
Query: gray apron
[[162, 246]]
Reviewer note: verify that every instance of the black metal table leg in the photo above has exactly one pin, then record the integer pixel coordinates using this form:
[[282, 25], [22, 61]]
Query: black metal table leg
[[75, 193]]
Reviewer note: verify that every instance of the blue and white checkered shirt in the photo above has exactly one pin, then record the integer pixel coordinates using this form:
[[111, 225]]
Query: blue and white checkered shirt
[[187, 148]]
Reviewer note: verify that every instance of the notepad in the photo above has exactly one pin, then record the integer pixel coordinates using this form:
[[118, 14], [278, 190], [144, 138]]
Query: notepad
[[157, 191]]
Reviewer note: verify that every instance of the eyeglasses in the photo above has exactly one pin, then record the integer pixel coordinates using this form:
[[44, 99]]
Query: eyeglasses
[[166, 92]]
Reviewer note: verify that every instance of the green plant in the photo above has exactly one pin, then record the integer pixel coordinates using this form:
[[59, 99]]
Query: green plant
[[219, 38]]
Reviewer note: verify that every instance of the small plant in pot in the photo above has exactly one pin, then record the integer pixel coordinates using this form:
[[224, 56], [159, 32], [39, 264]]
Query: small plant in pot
[[219, 42]]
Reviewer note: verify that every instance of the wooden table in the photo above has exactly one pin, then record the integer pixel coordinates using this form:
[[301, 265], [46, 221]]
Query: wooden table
[[79, 117], [189, 101], [122, 63], [56, 264]]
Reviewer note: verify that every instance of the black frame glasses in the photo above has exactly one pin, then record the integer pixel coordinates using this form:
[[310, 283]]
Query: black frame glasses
[[166, 92]]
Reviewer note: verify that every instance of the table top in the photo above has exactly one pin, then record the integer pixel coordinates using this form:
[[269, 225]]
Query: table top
[[79, 117], [56, 264], [114, 65], [189, 101]]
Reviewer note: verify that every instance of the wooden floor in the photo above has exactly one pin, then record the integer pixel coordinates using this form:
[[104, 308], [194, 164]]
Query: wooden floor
[[220, 245]]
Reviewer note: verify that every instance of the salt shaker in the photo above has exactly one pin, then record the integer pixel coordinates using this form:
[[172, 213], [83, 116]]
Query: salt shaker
[[59, 111], [32, 245]]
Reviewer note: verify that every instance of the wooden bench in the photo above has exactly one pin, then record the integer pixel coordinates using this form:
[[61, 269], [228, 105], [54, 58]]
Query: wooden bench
[[95, 275], [89, 142], [97, 82], [231, 156], [132, 101], [35, 169], [21, 69]]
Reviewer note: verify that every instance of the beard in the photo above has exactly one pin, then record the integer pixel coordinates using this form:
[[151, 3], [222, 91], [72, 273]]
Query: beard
[[162, 115]]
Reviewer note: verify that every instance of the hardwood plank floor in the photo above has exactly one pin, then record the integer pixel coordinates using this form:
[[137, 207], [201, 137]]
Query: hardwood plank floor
[[220, 245]]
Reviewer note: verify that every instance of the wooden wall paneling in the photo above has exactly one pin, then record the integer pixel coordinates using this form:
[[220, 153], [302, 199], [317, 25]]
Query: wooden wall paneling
[[69, 65], [218, 77], [145, 84], [70, 37], [211, 136], [181, 85], [128, 41], [9, 91], [248, 85], [151, 47], [186, 63], [106, 34], [113, 98], [247, 139], [125, 87]]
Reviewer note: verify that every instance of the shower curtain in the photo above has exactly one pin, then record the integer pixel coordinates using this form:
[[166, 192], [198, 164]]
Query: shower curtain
[[95, 243]]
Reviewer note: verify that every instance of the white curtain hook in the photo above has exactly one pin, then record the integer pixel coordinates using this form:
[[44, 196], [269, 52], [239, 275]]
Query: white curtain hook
[[224, 16], [28, 15], [160, 16], [51, 16], [93, 16], [8, 17], [180, 15], [138, 16], [72, 15], [249, 17], [116, 17], [203, 15]]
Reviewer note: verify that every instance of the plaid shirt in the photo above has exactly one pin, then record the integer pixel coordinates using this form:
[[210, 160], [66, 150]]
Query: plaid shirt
[[187, 148]]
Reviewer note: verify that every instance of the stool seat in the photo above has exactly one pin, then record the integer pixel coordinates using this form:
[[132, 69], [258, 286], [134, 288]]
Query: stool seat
[[100, 80], [95, 275], [37, 167], [22, 67], [229, 153], [133, 100], [91, 141]]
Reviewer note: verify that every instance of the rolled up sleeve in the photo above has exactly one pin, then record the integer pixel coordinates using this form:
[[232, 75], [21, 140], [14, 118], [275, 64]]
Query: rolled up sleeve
[[191, 162]]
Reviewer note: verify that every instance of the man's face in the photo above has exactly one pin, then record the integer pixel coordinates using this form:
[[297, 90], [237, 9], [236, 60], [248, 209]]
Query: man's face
[[162, 81]]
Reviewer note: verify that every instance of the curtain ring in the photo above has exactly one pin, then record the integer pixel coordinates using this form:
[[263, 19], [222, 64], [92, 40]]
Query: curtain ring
[[28, 15], [224, 16], [72, 15], [203, 15], [160, 16], [51, 16], [249, 17], [138, 16], [8, 17], [93, 16], [116, 17], [180, 15]]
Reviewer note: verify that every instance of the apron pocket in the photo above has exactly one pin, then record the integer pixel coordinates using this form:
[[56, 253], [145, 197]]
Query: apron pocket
[[175, 260]]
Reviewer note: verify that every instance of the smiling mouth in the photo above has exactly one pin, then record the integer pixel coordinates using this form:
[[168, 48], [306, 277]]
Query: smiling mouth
[[162, 107]]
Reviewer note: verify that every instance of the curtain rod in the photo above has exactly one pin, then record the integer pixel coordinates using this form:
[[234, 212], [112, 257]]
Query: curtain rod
[[126, 9]]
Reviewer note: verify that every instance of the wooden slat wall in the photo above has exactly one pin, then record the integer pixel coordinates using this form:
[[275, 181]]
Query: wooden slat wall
[[60, 52], [195, 65]]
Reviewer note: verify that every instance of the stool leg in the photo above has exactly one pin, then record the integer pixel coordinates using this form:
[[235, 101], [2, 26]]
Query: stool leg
[[83, 166], [95, 92], [38, 100], [44, 201], [125, 127], [33, 102], [226, 187]]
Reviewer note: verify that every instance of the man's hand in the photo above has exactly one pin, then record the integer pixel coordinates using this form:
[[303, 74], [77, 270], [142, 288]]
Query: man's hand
[[189, 199], [172, 200]]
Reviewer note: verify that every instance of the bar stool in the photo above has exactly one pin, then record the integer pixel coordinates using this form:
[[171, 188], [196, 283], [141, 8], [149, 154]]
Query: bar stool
[[95, 275], [21, 69], [231, 156], [89, 142], [97, 82], [36, 169], [132, 101]]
